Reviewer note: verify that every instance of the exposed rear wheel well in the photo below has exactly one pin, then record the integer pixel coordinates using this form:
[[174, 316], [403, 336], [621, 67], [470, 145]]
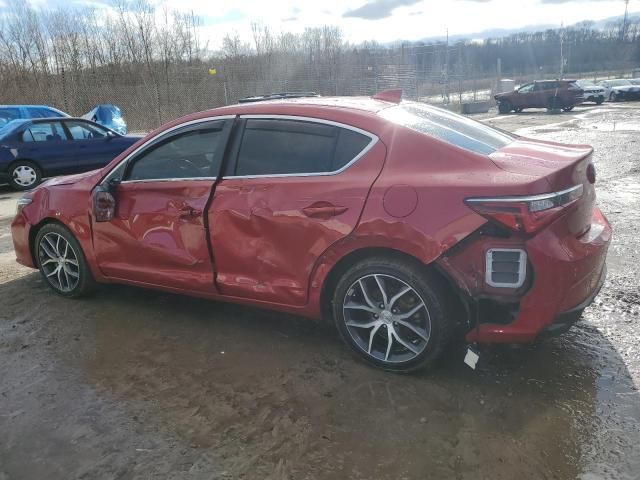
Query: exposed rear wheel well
[[358, 255]]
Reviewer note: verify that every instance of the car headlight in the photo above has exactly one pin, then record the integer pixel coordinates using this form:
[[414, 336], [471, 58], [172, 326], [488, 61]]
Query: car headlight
[[22, 202]]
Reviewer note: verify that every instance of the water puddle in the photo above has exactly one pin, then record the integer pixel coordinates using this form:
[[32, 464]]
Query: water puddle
[[617, 127]]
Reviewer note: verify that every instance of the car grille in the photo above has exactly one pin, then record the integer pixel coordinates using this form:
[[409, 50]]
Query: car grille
[[506, 268]]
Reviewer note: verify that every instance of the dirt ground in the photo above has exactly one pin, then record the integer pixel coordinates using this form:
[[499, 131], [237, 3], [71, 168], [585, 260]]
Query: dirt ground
[[139, 384]]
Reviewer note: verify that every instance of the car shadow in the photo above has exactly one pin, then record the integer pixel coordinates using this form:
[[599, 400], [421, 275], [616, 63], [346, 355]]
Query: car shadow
[[242, 383]]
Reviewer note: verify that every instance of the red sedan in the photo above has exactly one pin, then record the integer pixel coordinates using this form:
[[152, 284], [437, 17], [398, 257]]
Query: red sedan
[[401, 222]]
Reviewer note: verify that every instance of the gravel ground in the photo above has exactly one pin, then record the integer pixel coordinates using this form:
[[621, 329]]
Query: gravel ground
[[140, 384]]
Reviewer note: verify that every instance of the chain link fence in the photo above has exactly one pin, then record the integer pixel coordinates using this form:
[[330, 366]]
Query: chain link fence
[[150, 97]]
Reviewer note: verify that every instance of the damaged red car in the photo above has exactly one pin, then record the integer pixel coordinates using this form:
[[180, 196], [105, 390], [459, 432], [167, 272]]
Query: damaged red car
[[401, 222]]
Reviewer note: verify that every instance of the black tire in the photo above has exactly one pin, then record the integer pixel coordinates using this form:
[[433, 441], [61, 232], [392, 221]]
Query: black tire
[[568, 109], [427, 344], [554, 104], [518, 110], [599, 100], [24, 175], [504, 106], [613, 97], [78, 278]]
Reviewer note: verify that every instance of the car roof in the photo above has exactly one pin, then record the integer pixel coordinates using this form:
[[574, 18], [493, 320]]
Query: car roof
[[568, 80], [360, 112], [30, 106], [364, 104]]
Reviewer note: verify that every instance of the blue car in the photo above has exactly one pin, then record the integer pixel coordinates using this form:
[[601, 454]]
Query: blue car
[[33, 149], [108, 115], [105, 114], [9, 113]]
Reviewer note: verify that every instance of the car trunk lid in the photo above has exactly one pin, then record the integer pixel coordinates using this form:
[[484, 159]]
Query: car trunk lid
[[562, 166]]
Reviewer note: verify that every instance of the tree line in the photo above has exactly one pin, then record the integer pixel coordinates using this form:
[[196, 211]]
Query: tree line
[[147, 58]]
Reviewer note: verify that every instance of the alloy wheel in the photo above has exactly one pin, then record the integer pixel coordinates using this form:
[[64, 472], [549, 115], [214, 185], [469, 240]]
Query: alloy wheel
[[387, 318], [59, 262], [24, 176]]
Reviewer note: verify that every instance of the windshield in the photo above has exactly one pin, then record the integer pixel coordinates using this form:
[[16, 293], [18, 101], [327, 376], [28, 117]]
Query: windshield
[[586, 83], [449, 127]]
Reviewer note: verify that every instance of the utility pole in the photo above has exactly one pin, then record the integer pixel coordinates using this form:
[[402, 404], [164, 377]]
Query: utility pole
[[626, 18], [561, 50], [446, 70]]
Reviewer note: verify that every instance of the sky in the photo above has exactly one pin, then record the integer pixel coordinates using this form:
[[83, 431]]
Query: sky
[[380, 20]]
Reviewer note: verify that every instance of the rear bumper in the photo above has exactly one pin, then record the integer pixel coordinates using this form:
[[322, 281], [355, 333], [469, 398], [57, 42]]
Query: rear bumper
[[568, 274], [563, 322]]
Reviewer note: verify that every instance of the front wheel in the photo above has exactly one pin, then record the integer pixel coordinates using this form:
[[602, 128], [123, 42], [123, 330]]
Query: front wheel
[[614, 97], [392, 314], [62, 262], [599, 100], [567, 109], [24, 175], [504, 106]]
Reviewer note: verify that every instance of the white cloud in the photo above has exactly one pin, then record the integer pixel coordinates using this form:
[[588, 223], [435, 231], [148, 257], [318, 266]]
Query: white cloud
[[406, 19]]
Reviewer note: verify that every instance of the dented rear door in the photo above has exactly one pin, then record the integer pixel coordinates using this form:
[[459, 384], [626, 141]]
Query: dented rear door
[[293, 188]]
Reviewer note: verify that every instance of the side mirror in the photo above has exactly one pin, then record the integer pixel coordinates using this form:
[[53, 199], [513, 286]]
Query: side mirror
[[104, 201]]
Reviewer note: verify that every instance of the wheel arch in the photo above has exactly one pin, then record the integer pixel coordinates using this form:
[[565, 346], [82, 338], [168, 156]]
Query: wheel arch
[[359, 254], [24, 159], [33, 233]]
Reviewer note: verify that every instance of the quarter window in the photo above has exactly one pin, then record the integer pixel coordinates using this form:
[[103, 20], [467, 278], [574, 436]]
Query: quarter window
[[277, 147], [194, 153], [44, 132]]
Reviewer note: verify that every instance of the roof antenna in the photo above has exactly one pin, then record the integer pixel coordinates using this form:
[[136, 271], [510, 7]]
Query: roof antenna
[[393, 95]]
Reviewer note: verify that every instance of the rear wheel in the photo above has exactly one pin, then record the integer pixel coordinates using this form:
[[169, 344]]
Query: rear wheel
[[554, 104], [504, 106], [24, 175], [392, 314], [599, 100], [567, 109], [62, 262], [518, 110]]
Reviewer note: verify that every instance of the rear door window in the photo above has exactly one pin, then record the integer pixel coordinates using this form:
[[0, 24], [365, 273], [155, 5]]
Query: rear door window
[[449, 127], [85, 131], [297, 147], [44, 132]]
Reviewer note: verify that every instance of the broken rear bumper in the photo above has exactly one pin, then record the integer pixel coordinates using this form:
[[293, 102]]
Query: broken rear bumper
[[568, 273]]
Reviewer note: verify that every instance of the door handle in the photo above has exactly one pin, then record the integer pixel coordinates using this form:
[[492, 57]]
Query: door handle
[[323, 210], [189, 212]]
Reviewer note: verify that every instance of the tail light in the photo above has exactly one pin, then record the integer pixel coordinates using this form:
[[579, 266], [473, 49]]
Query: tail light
[[526, 214]]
